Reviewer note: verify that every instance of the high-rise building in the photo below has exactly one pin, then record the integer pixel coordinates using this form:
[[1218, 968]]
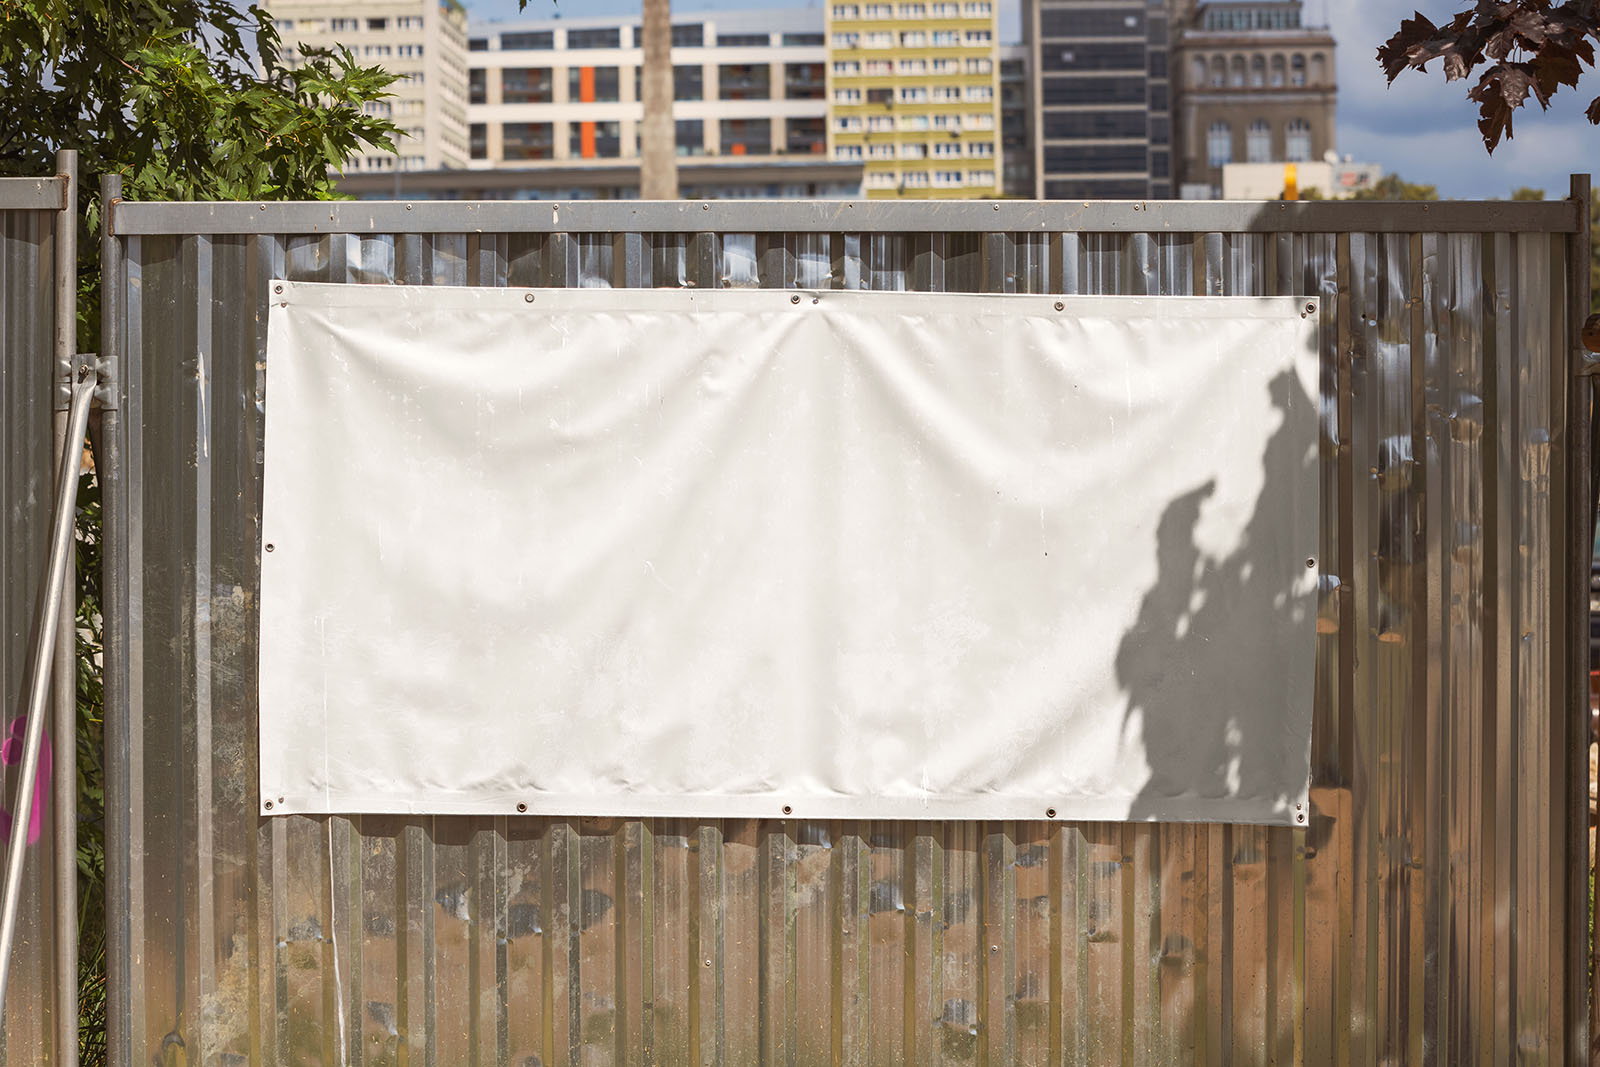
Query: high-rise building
[[1258, 87], [423, 42], [747, 85], [1016, 122], [913, 92], [1102, 116]]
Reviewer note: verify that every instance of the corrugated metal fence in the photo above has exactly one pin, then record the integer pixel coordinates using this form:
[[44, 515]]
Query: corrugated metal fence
[[28, 210], [1432, 912]]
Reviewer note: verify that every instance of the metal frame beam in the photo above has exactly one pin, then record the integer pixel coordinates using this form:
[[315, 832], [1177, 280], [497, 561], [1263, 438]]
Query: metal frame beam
[[819, 216]]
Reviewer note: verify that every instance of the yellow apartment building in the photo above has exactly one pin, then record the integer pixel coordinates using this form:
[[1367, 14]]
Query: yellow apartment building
[[914, 96]]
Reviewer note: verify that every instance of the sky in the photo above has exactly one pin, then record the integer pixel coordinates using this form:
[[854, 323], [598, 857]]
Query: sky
[[1421, 128]]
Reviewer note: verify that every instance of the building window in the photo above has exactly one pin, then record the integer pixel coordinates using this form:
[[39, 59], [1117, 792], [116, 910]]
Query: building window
[[1319, 69], [1219, 144], [527, 140], [847, 96], [1258, 72], [879, 11], [1258, 142], [846, 68], [411, 22], [946, 11], [910, 39], [913, 151], [982, 121], [846, 11], [913, 122], [1279, 78], [913, 11], [538, 40], [946, 149], [594, 140], [947, 177], [608, 37], [947, 92], [913, 94], [915, 179], [880, 151], [880, 96], [1297, 141], [478, 141], [883, 67], [847, 124], [913, 66], [344, 25], [689, 136], [881, 179], [746, 137], [980, 148], [980, 92], [1236, 75], [944, 38], [524, 85], [477, 86], [802, 40], [947, 66], [1297, 70], [592, 85], [978, 9], [377, 24], [478, 44], [804, 137], [880, 123], [977, 38], [980, 177], [373, 50], [744, 40], [409, 51], [688, 82], [846, 40], [847, 151], [744, 81], [1219, 72], [980, 66]]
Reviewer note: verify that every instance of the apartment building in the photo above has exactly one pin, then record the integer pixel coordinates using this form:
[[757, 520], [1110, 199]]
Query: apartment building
[[913, 88], [423, 42], [1102, 100], [1258, 87], [1016, 122], [555, 92]]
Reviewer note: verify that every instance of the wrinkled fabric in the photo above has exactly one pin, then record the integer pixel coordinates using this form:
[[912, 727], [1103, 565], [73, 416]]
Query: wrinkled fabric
[[864, 555]]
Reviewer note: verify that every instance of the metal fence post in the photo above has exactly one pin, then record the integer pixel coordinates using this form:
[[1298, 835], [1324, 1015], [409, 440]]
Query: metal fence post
[[114, 607], [65, 682]]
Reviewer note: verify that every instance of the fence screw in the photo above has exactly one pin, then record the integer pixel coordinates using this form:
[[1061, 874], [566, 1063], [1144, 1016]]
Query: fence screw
[[795, 299], [528, 298], [1060, 306]]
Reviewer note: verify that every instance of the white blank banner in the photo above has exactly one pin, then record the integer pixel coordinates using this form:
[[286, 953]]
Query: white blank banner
[[755, 553]]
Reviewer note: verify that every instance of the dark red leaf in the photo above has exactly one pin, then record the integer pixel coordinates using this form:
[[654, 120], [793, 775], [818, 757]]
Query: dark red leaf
[[1395, 54], [1594, 111]]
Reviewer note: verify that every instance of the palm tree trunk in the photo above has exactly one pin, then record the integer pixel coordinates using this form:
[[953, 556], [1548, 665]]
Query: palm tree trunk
[[658, 162]]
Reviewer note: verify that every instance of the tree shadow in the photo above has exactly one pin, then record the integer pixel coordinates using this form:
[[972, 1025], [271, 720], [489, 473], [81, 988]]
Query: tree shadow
[[1197, 644]]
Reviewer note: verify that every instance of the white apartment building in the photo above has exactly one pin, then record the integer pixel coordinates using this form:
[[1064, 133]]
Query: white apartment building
[[746, 84], [423, 42]]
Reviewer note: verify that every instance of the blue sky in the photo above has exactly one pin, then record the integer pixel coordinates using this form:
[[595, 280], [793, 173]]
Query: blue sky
[[1421, 128]]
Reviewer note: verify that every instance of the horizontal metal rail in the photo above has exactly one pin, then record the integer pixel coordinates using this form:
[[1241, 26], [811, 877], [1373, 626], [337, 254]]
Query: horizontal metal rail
[[819, 216], [33, 194]]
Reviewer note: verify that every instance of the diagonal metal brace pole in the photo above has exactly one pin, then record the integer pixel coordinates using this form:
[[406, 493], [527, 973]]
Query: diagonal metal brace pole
[[44, 648]]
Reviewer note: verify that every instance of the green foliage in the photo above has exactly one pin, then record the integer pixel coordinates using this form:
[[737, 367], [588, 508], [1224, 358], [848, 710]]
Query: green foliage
[[1526, 193], [1394, 187], [1527, 48], [172, 96]]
